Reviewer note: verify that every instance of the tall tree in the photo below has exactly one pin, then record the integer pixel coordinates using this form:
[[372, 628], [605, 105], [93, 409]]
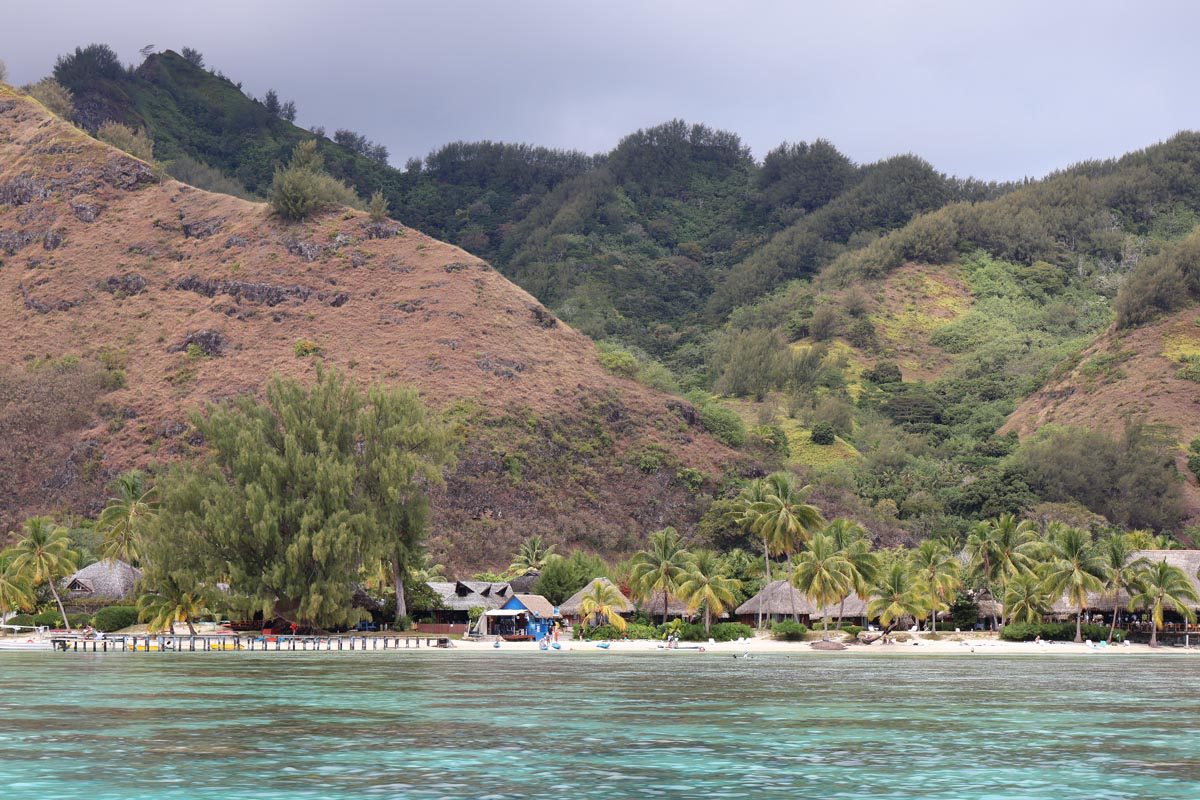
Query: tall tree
[[171, 602], [938, 576], [1121, 570], [851, 539], [1026, 598], [301, 494], [782, 518], [823, 575], [530, 556], [1000, 549], [705, 586], [661, 567], [43, 554], [1162, 586], [896, 594], [124, 515], [15, 591], [603, 601], [1073, 568]]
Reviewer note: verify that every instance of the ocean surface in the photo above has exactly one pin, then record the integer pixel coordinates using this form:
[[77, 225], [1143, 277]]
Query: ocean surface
[[596, 725]]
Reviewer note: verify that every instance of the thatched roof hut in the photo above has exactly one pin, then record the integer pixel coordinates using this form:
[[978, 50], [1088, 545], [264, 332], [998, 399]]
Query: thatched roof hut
[[654, 606], [537, 605], [107, 580], [780, 598], [523, 584], [1186, 560], [571, 607], [465, 595]]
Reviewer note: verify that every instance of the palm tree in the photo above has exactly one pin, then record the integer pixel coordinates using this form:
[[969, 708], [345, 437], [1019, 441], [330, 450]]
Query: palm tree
[[603, 601], [15, 593], [1001, 549], [169, 604], [896, 594], [823, 574], [705, 586], [123, 516], [783, 520], [1121, 570], [1073, 568], [1025, 598], [531, 556], [661, 567], [938, 575], [751, 495], [44, 555], [1161, 585], [851, 539]]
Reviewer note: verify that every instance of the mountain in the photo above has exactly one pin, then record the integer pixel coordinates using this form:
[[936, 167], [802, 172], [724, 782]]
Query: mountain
[[126, 301]]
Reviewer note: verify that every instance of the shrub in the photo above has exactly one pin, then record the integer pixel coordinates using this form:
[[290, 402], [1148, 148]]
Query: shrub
[[730, 631], [718, 420], [690, 477], [306, 347], [93, 61], [53, 619], [136, 143], [789, 631], [114, 618], [54, 96], [193, 57], [22, 619], [617, 359], [773, 439], [3, 71], [693, 632], [852, 631], [861, 334], [378, 207], [638, 631], [601, 632], [823, 433], [883, 373], [1190, 371], [304, 188], [1056, 632], [186, 169], [823, 325], [1193, 461]]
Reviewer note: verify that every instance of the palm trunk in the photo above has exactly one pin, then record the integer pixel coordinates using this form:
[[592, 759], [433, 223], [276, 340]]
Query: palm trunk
[[398, 583], [191, 627], [665, 600], [707, 621], [825, 628], [792, 594], [767, 563], [1112, 627], [1079, 626], [1153, 634], [61, 610], [841, 612]]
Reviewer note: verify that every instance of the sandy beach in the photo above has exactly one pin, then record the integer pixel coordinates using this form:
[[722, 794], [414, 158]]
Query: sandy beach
[[968, 646]]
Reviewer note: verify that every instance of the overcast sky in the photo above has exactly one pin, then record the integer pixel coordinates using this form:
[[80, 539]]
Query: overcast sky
[[994, 90]]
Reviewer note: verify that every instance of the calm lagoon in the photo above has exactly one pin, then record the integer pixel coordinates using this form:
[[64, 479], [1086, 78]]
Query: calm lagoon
[[592, 725]]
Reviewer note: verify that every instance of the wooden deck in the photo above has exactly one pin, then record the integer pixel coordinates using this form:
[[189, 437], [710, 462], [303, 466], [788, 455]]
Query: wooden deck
[[202, 643]]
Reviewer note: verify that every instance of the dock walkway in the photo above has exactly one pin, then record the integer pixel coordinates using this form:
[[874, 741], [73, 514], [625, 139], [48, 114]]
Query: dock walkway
[[199, 643]]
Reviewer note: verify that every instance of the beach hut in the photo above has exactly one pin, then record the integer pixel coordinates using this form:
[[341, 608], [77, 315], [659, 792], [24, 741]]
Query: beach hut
[[457, 599], [523, 584], [653, 607], [103, 583], [523, 617], [570, 609], [1103, 604], [780, 601]]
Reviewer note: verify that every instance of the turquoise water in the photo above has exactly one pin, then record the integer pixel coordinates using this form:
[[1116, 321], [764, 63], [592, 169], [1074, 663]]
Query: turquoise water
[[593, 725]]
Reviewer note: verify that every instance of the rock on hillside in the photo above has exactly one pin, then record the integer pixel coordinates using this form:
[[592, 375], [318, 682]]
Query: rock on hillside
[[177, 297]]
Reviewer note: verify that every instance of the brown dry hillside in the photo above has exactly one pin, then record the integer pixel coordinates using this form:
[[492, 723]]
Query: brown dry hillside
[[1133, 373], [128, 302]]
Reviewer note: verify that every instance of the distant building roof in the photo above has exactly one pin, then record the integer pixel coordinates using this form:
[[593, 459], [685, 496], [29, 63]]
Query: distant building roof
[[654, 606], [1187, 560], [465, 595], [113, 579], [523, 584], [571, 606], [780, 597], [537, 605]]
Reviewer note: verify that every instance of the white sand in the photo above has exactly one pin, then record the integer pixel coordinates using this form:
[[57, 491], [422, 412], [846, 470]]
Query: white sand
[[970, 644]]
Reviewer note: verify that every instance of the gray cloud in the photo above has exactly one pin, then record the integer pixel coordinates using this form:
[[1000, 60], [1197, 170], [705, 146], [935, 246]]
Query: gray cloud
[[995, 90]]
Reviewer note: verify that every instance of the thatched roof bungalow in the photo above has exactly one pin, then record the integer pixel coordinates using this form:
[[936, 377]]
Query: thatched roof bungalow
[[653, 606], [102, 583], [781, 601], [570, 609], [1186, 560], [459, 597]]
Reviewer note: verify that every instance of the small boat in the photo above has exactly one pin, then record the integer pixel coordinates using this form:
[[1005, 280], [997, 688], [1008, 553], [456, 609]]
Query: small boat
[[556, 646], [602, 645], [496, 644]]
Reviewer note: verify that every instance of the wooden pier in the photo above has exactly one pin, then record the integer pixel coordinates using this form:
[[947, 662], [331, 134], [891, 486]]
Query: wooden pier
[[205, 643]]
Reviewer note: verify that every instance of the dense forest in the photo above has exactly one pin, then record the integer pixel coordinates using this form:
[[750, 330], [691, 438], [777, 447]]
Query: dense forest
[[870, 326]]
